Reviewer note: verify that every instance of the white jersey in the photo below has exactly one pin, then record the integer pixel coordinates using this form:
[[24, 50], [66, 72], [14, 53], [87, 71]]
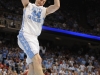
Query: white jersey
[[33, 19]]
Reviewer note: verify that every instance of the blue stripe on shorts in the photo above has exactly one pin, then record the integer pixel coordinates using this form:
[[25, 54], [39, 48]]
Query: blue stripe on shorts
[[26, 46]]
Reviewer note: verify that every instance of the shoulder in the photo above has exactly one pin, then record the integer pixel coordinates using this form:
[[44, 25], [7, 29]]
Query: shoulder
[[29, 5], [42, 7]]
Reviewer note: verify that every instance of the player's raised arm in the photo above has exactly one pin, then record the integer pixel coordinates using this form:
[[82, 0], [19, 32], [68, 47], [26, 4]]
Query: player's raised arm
[[25, 3], [53, 8]]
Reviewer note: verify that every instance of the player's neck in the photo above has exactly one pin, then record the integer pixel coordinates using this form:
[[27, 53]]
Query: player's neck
[[37, 4]]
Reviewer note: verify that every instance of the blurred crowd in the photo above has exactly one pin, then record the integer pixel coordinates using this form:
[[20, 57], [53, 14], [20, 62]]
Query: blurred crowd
[[67, 63], [56, 60], [67, 19]]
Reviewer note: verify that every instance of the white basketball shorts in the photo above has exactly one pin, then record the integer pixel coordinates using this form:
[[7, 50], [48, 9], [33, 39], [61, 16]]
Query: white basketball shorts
[[29, 44]]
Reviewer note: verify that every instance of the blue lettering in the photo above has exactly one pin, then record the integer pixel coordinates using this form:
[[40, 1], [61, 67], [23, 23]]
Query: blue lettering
[[29, 16], [38, 20], [34, 19]]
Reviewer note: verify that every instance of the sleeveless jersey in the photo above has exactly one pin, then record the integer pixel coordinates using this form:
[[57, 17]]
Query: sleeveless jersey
[[33, 19]]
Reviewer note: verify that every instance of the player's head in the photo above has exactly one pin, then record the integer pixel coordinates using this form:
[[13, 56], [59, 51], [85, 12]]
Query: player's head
[[40, 2]]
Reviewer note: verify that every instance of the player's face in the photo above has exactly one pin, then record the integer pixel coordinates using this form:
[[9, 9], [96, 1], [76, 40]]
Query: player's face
[[40, 2]]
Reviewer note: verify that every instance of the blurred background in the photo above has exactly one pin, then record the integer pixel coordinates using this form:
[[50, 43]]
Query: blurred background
[[62, 54]]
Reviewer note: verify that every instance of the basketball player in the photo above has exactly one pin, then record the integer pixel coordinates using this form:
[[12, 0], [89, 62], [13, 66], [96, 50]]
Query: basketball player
[[33, 19]]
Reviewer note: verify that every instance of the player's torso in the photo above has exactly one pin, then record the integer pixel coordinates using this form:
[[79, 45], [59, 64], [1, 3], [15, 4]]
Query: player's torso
[[35, 13], [33, 18]]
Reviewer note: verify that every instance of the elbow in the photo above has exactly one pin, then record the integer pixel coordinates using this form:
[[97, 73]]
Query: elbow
[[58, 6]]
